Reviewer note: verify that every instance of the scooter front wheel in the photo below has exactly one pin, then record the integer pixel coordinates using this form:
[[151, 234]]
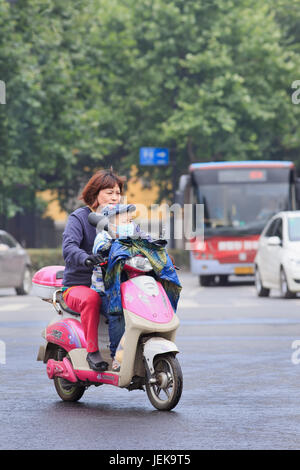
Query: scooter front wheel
[[165, 393]]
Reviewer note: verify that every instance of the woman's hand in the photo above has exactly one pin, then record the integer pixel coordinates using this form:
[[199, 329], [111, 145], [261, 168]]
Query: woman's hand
[[93, 260]]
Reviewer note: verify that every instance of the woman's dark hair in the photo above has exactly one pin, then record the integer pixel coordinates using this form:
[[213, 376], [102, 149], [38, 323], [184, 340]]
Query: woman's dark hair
[[102, 179]]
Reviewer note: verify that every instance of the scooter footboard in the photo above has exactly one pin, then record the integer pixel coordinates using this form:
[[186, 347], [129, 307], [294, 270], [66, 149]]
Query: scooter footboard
[[155, 346]]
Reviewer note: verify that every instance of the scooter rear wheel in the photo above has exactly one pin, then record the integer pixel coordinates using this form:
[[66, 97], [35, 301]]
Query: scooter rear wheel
[[66, 390], [166, 392]]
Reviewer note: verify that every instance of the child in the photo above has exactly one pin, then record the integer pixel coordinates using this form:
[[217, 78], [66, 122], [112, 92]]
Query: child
[[120, 222], [120, 226]]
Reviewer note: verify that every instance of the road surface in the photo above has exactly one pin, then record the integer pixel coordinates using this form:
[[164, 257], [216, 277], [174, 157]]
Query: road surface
[[241, 380]]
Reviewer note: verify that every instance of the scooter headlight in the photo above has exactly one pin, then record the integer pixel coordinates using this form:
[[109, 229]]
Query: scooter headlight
[[140, 262]]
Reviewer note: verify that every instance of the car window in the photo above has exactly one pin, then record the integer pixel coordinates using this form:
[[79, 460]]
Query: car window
[[6, 239], [294, 228], [278, 229], [271, 229], [266, 229]]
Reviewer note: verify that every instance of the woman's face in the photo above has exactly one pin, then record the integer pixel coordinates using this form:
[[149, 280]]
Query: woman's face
[[109, 196]]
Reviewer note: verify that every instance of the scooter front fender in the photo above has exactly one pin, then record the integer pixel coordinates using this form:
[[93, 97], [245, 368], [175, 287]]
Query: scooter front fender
[[156, 346]]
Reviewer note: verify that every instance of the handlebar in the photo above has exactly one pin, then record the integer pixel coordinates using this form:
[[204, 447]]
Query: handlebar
[[99, 261], [94, 218], [89, 263], [102, 223]]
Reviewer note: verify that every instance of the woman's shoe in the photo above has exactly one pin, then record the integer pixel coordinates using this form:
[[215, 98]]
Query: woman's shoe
[[95, 361]]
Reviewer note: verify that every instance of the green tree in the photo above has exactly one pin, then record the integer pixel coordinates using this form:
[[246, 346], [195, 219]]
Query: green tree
[[213, 82], [90, 82]]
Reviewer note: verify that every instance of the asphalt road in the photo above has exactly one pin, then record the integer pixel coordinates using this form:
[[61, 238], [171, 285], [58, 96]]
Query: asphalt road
[[241, 386]]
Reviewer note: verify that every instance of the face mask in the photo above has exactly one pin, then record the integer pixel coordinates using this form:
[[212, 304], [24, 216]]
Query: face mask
[[125, 230]]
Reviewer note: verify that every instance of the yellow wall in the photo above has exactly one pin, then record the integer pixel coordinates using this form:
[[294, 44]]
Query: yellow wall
[[53, 209], [135, 194]]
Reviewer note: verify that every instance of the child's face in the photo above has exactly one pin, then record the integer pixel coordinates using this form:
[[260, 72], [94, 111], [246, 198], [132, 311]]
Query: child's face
[[124, 218], [121, 219]]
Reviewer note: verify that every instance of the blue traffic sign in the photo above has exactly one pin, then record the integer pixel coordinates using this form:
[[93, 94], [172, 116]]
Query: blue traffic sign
[[154, 156]]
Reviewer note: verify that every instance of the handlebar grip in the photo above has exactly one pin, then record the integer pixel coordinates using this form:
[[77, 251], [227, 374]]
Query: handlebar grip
[[89, 263]]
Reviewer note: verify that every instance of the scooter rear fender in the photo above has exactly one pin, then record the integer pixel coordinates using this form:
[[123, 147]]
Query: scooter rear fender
[[66, 333], [156, 346]]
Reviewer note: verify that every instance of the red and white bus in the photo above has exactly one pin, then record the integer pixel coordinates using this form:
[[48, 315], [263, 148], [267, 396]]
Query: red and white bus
[[238, 199]]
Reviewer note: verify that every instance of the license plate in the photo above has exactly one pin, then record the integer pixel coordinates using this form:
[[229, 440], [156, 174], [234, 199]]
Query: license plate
[[244, 270]]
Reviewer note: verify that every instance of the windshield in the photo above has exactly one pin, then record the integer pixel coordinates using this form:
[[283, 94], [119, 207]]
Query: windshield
[[240, 207], [294, 229]]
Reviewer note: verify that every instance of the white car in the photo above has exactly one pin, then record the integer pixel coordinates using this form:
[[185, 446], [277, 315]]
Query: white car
[[277, 261]]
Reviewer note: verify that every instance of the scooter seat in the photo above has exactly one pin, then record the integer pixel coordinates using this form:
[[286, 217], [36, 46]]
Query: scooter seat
[[63, 305]]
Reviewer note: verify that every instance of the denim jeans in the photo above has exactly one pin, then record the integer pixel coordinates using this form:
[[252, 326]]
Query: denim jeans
[[116, 329]]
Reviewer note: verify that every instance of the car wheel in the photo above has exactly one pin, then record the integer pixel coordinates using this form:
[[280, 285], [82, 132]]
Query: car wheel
[[25, 287], [284, 287], [260, 289]]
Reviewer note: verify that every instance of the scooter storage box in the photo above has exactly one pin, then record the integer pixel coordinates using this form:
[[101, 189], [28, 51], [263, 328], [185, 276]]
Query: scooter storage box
[[46, 281]]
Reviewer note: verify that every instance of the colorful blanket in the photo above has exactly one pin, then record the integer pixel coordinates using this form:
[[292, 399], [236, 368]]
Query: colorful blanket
[[161, 263]]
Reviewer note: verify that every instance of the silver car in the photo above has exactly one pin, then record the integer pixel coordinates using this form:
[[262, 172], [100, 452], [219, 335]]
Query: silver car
[[15, 265]]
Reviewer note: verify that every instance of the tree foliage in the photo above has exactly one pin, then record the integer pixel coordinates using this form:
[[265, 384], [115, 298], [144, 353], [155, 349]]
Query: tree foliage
[[215, 81], [90, 82]]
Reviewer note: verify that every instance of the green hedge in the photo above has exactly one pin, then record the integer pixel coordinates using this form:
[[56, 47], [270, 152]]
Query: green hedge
[[41, 257]]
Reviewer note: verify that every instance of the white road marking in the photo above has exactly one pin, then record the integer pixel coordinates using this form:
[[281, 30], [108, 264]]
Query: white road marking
[[13, 307], [183, 303]]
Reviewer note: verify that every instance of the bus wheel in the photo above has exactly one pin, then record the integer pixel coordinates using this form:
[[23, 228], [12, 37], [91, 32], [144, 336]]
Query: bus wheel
[[206, 280], [223, 280]]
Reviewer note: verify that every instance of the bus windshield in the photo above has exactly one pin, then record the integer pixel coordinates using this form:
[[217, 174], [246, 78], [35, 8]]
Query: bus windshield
[[240, 207]]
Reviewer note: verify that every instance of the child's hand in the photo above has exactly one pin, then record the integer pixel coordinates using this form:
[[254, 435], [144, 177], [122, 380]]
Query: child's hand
[[172, 258]]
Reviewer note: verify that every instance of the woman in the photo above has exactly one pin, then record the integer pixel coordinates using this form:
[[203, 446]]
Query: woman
[[104, 187]]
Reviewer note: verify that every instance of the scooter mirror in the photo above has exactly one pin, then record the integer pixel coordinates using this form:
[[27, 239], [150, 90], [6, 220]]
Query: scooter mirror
[[99, 221], [94, 218], [103, 224]]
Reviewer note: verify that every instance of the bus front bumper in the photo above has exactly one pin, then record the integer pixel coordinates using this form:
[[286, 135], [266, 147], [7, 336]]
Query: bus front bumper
[[213, 267]]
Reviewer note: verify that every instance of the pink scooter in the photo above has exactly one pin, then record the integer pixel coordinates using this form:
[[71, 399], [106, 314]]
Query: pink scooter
[[147, 351]]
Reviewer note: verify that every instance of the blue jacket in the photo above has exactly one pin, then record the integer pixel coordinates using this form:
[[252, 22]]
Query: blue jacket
[[78, 240]]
